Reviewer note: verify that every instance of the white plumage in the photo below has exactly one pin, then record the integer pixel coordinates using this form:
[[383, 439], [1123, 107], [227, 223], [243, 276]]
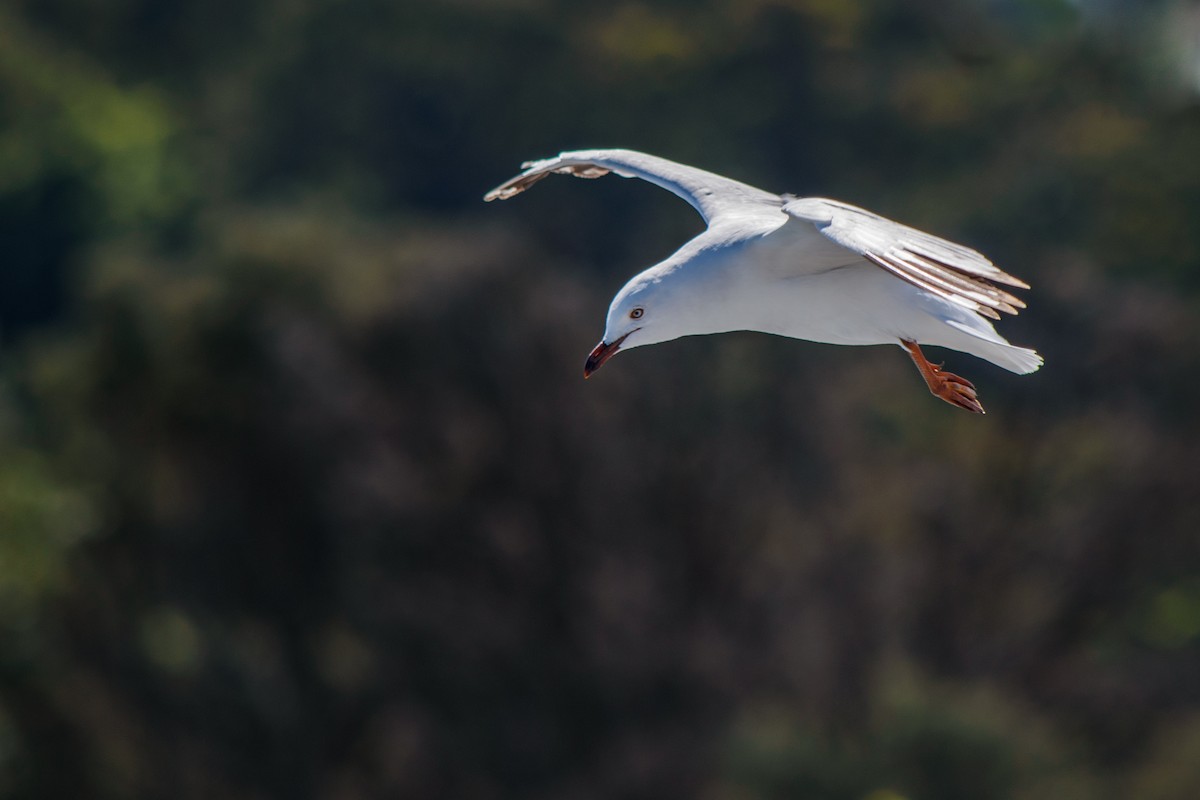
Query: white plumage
[[808, 268]]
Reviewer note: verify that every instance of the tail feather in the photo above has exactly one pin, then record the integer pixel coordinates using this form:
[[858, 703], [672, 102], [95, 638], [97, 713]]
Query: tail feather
[[1020, 360]]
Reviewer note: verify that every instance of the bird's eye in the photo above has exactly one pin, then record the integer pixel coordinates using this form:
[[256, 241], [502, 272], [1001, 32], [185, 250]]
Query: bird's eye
[[637, 313]]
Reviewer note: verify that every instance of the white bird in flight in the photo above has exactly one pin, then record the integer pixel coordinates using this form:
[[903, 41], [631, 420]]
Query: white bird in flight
[[804, 267]]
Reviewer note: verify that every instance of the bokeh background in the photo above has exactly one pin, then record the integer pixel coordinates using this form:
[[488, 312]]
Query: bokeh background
[[302, 494]]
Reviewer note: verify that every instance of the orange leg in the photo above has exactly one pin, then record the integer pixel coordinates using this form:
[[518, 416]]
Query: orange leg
[[954, 390]]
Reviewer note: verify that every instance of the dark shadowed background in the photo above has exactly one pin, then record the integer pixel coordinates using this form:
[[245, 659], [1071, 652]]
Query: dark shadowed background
[[302, 494]]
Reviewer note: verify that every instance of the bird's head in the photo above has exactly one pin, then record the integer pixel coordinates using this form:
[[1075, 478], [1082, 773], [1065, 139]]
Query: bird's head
[[642, 313]]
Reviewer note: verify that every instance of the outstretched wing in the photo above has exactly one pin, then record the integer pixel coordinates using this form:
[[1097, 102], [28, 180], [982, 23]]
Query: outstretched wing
[[712, 195], [953, 272]]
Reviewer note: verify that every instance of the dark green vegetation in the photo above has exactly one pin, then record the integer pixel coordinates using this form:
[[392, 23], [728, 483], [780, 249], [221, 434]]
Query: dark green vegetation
[[302, 493]]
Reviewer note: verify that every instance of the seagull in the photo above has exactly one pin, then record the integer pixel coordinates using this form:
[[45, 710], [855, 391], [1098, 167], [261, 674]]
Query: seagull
[[802, 267]]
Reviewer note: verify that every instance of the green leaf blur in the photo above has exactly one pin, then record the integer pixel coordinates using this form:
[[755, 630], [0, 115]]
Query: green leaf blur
[[302, 494]]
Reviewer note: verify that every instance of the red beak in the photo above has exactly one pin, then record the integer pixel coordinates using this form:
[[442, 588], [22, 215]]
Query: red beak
[[601, 353]]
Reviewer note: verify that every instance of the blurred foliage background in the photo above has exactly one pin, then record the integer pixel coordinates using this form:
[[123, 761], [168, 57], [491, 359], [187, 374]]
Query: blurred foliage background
[[302, 495]]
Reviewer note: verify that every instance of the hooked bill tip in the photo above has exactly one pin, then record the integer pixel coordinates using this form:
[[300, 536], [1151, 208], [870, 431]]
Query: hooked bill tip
[[600, 353]]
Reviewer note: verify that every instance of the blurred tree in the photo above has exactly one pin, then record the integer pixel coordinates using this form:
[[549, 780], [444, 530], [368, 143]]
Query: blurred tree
[[301, 494]]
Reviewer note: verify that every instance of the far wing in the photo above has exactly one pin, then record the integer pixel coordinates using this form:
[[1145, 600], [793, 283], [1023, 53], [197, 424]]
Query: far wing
[[953, 272], [710, 194]]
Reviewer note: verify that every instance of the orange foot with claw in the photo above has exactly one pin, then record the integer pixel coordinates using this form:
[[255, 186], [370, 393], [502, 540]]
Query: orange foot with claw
[[949, 387]]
